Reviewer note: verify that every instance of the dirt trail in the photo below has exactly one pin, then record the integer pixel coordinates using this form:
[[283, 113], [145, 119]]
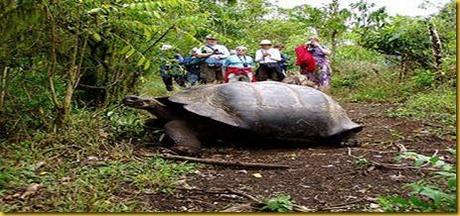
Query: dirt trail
[[321, 177]]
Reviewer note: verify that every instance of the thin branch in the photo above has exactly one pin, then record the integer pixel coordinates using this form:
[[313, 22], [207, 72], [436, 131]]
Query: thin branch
[[52, 69], [159, 39], [224, 163]]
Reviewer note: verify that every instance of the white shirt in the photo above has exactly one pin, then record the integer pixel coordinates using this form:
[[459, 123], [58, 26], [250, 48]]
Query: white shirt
[[220, 48], [274, 57]]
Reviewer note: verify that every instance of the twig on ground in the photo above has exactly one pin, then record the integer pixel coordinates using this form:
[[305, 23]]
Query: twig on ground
[[224, 163], [318, 199], [336, 207], [296, 208], [239, 193], [341, 205], [376, 151], [401, 147]]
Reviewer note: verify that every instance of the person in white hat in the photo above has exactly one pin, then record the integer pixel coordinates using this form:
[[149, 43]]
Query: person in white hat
[[268, 58], [214, 55]]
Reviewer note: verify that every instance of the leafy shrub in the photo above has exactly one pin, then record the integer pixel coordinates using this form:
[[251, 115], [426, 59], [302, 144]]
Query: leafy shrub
[[351, 80], [125, 122], [423, 79], [449, 69], [280, 203], [356, 53], [426, 197]]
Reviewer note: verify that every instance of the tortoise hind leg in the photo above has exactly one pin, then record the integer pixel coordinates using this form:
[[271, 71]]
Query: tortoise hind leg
[[183, 137]]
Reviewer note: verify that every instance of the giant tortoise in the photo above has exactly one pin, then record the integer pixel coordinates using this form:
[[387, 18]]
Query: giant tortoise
[[256, 112]]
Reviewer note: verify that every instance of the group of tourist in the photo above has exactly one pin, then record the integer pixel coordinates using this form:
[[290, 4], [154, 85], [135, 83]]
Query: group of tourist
[[214, 63]]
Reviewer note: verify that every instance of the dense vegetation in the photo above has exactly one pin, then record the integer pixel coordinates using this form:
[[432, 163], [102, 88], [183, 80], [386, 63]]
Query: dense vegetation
[[65, 65]]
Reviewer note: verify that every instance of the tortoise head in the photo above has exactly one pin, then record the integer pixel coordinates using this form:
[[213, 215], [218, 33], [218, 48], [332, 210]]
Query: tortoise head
[[141, 102]]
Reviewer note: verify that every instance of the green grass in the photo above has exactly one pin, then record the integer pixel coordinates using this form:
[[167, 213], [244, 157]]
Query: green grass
[[370, 87], [88, 166], [432, 106]]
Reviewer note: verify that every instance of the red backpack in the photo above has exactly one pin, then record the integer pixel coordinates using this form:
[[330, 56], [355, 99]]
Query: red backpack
[[304, 59]]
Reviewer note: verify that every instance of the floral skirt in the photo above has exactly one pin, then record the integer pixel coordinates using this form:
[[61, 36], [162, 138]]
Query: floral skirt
[[322, 75]]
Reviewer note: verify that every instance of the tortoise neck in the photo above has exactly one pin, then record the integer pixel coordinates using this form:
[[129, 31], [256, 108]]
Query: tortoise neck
[[161, 112]]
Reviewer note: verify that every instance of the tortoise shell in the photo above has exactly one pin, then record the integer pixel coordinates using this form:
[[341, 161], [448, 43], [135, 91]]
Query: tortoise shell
[[271, 109]]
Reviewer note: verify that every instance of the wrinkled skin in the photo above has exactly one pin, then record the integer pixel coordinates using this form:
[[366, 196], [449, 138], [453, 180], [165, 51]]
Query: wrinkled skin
[[257, 111]]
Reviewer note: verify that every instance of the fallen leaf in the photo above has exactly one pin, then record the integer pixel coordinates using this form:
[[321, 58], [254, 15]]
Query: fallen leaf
[[242, 171], [197, 172], [103, 134], [304, 186], [65, 179], [32, 189], [373, 205], [92, 158], [396, 177], [39, 164], [257, 175]]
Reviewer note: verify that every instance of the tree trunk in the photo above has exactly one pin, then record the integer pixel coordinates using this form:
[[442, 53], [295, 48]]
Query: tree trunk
[[403, 70], [436, 48], [334, 41], [72, 78], [3, 88], [52, 66]]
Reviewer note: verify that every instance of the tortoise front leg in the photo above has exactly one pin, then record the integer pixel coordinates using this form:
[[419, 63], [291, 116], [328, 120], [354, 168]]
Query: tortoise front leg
[[183, 137]]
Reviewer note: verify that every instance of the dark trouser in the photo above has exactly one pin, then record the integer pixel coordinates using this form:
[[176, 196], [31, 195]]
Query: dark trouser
[[168, 81], [193, 77], [271, 71], [211, 74]]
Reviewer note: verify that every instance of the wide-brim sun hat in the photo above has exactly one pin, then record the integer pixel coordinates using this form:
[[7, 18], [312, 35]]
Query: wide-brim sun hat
[[166, 47], [265, 42], [194, 50], [210, 36], [241, 48]]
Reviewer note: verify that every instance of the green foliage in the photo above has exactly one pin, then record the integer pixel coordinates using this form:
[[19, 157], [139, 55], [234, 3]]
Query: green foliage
[[438, 105], [366, 18], [355, 53], [424, 79], [85, 167], [329, 21], [425, 197], [280, 203], [125, 122], [368, 85], [362, 162], [404, 37]]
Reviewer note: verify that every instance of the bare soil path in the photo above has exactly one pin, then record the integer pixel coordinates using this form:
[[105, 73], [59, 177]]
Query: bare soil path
[[323, 178]]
